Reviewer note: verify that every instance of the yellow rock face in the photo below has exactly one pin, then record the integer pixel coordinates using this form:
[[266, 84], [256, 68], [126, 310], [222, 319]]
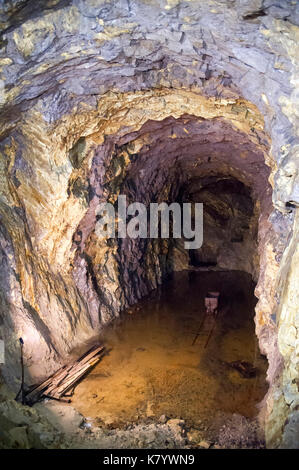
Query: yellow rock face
[[53, 214]]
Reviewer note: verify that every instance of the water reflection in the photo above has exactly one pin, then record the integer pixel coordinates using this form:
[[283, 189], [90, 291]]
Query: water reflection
[[153, 369]]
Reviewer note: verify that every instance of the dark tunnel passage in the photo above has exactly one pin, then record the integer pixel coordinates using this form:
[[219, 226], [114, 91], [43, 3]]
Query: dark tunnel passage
[[157, 369], [178, 160]]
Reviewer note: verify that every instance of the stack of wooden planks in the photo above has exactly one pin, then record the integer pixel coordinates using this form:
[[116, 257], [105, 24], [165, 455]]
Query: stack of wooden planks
[[65, 379]]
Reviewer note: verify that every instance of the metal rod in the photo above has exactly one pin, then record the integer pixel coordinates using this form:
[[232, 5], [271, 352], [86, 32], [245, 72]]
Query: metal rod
[[200, 326]]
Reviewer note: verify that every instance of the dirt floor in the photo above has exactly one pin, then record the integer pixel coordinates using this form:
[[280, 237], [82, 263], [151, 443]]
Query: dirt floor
[[153, 374]]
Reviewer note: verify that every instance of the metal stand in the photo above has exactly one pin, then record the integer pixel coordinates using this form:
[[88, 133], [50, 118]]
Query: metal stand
[[200, 327], [21, 391], [212, 329]]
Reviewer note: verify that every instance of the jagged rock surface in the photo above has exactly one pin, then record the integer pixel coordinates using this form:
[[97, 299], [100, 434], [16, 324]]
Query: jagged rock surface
[[83, 85]]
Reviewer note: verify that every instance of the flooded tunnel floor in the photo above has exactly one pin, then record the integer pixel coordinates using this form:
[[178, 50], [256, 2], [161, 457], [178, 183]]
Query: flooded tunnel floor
[[153, 369]]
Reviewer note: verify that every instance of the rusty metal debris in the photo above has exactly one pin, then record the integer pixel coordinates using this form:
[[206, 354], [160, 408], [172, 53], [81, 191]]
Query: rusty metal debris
[[246, 369]]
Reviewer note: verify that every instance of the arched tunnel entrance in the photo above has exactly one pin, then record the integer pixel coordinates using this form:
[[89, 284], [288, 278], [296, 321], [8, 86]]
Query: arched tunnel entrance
[[128, 292], [188, 159], [167, 360]]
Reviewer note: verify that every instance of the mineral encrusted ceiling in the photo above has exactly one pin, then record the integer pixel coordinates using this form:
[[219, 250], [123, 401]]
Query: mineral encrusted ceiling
[[96, 94]]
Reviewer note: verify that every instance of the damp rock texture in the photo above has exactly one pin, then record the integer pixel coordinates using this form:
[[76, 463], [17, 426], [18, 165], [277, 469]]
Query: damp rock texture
[[161, 101], [22, 427]]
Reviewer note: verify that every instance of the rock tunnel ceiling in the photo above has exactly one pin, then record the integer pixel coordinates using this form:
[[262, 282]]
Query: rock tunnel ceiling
[[157, 100], [156, 164]]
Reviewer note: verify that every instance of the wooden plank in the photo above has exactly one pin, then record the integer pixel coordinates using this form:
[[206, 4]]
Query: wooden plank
[[59, 380], [78, 364], [73, 377], [84, 359], [44, 384], [90, 353], [64, 387], [60, 391], [65, 378]]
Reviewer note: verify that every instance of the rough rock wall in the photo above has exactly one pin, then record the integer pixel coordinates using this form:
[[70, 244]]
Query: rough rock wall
[[282, 426], [78, 72]]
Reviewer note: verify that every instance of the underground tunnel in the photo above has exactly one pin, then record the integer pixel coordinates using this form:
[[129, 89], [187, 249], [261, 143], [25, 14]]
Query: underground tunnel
[[162, 102], [185, 159]]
